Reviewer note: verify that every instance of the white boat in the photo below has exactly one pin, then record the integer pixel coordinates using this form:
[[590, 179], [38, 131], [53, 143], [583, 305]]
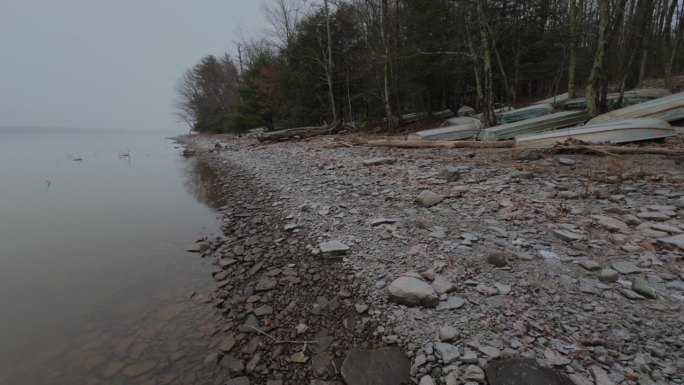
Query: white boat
[[625, 131], [456, 129], [668, 108], [534, 125]]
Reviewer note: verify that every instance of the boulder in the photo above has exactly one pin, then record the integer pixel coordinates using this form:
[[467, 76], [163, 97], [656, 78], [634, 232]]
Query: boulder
[[428, 198], [412, 291], [385, 366]]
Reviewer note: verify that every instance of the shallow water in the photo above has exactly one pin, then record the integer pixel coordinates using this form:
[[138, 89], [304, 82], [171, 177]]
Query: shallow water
[[95, 283]]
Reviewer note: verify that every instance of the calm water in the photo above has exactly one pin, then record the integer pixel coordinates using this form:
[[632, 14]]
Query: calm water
[[94, 279]]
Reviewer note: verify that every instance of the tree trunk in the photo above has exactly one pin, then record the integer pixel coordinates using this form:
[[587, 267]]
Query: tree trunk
[[384, 31], [599, 60], [488, 108], [573, 49], [328, 63], [476, 67]]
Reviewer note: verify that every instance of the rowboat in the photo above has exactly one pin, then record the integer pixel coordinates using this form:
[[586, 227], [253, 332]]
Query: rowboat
[[455, 129], [534, 125], [532, 111], [669, 108], [625, 131], [629, 98]]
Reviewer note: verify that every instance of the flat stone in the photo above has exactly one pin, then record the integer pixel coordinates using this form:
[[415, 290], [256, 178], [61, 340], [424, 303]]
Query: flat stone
[[442, 285], [412, 292], [333, 248], [385, 366], [379, 160], [299, 358], [266, 283], [227, 262], [568, 235], [426, 380], [608, 276], [523, 372], [448, 333], [667, 228], [490, 351], [234, 365], [600, 376], [590, 265], [677, 240], [447, 352], [625, 267], [383, 221], [428, 198], [640, 286], [653, 216], [263, 310], [631, 294], [451, 303], [611, 223], [227, 344], [196, 247]]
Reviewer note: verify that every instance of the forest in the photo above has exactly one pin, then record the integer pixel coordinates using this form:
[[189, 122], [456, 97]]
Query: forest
[[368, 62]]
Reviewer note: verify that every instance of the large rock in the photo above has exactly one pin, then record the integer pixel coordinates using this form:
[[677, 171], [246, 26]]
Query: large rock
[[386, 366], [497, 259], [640, 286], [379, 161], [677, 240], [626, 267], [610, 223], [333, 248], [428, 198], [413, 292], [523, 372], [447, 352]]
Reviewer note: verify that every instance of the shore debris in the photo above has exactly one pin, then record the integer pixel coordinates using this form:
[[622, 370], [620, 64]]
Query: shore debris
[[457, 128]]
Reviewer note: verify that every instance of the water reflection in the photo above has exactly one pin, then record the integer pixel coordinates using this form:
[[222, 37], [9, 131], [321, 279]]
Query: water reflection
[[201, 183]]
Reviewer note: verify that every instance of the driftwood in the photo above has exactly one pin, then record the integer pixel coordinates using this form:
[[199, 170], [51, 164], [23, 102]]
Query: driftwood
[[302, 132], [439, 143], [614, 150]]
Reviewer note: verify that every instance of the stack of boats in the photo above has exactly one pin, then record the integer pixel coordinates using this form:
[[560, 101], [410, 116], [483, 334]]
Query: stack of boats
[[629, 98], [535, 127]]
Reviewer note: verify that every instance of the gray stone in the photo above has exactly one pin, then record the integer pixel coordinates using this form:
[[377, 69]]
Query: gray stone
[[250, 324], [263, 310], [450, 174], [333, 248], [447, 352], [428, 198], [675, 285], [568, 235], [625, 267], [469, 357], [529, 155], [590, 265], [608, 276], [497, 259], [677, 240], [442, 285], [452, 378], [426, 380], [600, 376], [490, 351], [385, 366], [383, 221], [475, 373], [631, 294], [447, 333], [451, 303], [379, 161], [566, 161], [610, 223], [197, 247], [412, 292], [640, 286], [266, 283], [233, 364], [523, 372], [653, 216]]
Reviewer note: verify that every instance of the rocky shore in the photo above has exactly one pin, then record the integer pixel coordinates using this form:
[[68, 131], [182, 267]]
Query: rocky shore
[[451, 261]]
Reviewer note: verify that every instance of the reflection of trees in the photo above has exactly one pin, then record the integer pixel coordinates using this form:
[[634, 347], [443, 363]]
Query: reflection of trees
[[200, 182]]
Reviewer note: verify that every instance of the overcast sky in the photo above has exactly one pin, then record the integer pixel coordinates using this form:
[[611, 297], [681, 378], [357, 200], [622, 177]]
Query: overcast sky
[[108, 63]]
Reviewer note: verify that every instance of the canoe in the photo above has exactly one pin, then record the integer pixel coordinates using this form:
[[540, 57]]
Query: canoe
[[669, 108], [534, 125], [456, 129], [625, 131], [630, 98], [529, 112]]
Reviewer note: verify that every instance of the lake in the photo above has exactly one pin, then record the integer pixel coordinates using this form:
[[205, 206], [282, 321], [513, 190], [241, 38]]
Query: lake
[[95, 282]]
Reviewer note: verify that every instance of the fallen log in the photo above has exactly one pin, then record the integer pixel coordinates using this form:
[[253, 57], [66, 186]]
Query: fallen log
[[439, 143], [605, 150], [302, 132]]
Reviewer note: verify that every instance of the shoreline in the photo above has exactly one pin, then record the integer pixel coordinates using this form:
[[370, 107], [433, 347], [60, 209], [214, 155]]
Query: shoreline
[[521, 256]]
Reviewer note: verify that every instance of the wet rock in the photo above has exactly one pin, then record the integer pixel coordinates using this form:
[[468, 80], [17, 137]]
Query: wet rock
[[447, 352], [385, 366], [640, 286], [333, 248], [379, 161], [428, 198], [608, 276], [523, 372], [412, 292], [139, 368], [497, 259]]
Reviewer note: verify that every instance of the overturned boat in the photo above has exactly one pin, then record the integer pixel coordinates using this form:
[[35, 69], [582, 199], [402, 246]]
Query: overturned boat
[[529, 112], [669, 108], [629, 98], [534, 125], [625, 131], [555, 100], [456, 129]]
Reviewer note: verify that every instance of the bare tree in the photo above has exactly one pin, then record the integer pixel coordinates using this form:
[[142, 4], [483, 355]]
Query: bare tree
[[599, 59]]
